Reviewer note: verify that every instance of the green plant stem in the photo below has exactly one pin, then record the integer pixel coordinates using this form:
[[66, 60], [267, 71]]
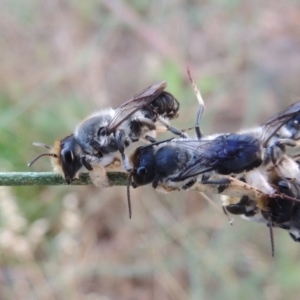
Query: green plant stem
[[50, 178]]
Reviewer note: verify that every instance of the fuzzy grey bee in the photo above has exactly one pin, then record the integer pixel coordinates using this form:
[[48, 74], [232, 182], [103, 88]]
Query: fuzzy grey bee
[[98, 138], [111, 130]]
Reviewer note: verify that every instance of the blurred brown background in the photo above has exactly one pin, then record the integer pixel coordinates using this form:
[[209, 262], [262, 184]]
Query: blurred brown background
[[60, 61]]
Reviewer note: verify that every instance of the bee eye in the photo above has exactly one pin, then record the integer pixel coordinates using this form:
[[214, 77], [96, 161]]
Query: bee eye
[[284, 185], [67, 156], [141, 171], [102, 131]]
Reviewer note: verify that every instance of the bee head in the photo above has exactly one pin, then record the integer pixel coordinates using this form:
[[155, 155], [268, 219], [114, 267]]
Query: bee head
[[279, 210], [143, 170], [142, 161], [69, 159], [65, 155]]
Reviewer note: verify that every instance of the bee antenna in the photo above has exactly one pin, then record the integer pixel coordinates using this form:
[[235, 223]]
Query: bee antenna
[[128, 194], [283, 196], [39, 156], [271, 234], [41, 145]]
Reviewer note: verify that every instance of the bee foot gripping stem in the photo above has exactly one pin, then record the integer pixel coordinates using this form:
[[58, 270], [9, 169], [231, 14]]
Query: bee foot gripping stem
[[99, 177]]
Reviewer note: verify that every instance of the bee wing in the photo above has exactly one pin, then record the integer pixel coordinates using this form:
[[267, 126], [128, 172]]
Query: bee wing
[[210, 154], [204, 152], [272, 125], [134, 104]]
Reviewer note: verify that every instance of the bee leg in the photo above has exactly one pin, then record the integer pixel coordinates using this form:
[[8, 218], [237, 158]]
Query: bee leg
[[222, 183], [296, 156], [172, 129], [286, 142], [199, 133], [243, 207], [97, 172], [155, 182], [277, 149], [116, 163], [121, 147], [150, 139], [235, 209], [146, 122], [86, 164], [189, 184], [99, 177], [295, 237], [230, 220], [120, 142], [225, 181], [275, 153]]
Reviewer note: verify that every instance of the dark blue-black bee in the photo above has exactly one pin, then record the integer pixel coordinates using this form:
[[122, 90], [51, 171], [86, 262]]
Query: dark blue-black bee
[[179, 162]]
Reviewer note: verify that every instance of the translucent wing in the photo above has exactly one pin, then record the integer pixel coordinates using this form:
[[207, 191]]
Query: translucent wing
[[134, 104], [212, 154], [203, 152], [272, 125]]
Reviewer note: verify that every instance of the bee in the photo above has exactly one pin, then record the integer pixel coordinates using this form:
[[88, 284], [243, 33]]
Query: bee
[[97, 139], [204, 165], [177, 163], [109, 131], [278, 211]]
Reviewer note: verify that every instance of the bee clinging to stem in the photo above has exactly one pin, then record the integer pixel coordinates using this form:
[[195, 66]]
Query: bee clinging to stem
[[98, 139]]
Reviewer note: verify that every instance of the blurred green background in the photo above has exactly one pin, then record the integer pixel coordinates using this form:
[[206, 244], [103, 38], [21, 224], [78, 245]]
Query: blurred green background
[[60, 61]]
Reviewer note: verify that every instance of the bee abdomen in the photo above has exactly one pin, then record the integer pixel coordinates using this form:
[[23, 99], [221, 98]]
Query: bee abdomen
[[166, 105]]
